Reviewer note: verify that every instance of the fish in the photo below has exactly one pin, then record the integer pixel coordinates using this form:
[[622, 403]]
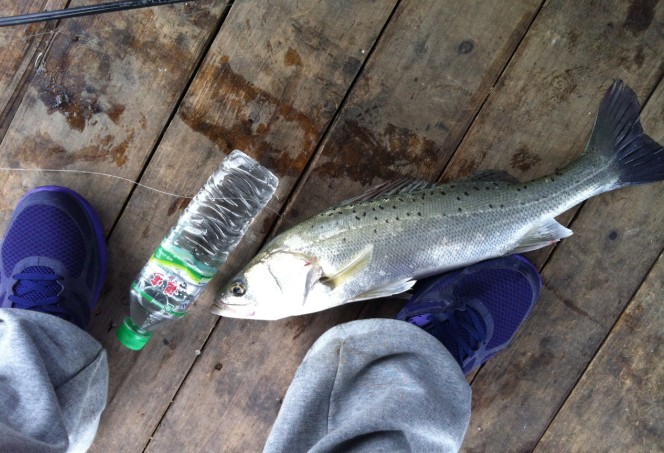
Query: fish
[[379, 244]]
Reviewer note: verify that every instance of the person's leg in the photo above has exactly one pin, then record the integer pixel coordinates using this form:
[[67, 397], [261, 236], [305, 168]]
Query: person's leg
[[53, 375], [389, 385], [375, 384]]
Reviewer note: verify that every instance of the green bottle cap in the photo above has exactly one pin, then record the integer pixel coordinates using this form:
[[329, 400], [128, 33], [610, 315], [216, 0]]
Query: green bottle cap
[[132, 336]]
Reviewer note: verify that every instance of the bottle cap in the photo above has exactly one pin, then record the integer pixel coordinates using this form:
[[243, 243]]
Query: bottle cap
[[132, 336]]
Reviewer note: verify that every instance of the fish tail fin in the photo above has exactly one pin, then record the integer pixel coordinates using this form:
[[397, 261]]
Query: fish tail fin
[[618, 136]]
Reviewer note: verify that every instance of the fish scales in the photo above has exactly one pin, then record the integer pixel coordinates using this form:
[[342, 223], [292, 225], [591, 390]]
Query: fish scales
[[435, 229]]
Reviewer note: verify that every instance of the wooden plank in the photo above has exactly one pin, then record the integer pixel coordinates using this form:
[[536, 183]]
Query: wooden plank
[[246, 367], [270, 84], [587, 283], [99, 99], [618, 404], [415, 101], [20, 46]]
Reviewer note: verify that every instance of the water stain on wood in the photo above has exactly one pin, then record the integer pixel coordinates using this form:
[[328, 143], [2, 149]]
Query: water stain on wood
[[75, 76], [299, 324], [524, 160], [46, 153], [278, 135], [292, 58], [178, 204], [373, 155], [640, 15]]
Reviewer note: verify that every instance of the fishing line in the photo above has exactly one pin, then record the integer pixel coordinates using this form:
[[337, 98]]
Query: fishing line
[[122, 178], [83, 11]]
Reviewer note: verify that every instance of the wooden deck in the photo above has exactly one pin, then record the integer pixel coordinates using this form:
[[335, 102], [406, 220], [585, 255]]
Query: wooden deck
[[334, 97]]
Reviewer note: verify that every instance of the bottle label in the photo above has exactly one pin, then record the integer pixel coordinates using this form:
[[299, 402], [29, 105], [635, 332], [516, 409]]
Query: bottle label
[[169, 283]]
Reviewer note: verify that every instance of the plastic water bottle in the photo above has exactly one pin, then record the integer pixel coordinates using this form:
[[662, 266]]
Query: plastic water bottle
[[194, 250]]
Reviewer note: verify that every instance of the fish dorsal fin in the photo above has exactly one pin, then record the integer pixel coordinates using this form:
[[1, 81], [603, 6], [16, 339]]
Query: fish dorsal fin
[[390, 188], [491, 176], [541, 235], [350, 270], [384, 291]]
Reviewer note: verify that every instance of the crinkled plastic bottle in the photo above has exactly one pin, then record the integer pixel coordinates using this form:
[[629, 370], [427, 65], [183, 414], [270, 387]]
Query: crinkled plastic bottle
[[194, 250]]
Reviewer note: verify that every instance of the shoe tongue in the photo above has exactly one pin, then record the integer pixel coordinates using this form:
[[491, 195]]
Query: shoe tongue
[[51, 289]]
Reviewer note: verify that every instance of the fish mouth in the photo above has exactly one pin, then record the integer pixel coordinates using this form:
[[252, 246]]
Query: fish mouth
[[233, 310]]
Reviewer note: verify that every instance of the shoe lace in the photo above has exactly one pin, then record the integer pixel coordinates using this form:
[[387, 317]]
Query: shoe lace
[[38, 289], [467, 328]]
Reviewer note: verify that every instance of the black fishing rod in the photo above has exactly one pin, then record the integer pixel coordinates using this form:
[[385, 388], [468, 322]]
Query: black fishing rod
[[83, 11]]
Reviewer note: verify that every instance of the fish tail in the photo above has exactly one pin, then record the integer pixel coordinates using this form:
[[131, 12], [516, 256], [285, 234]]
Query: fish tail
[[634, 157]]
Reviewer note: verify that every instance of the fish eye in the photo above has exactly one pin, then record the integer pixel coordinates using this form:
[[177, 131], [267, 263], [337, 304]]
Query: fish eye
[[238, 288]]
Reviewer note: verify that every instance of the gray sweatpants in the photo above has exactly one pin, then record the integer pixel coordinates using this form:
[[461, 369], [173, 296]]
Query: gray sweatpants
[[53, 383], [373, 385]]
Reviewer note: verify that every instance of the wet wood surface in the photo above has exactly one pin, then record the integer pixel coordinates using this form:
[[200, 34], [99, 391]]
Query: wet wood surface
[[335, 97]]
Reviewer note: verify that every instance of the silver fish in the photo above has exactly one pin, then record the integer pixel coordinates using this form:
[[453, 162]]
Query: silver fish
[[380, 246]]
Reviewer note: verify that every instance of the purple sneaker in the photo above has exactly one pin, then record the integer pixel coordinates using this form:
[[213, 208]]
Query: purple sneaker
[[53, 256], [475, 312]]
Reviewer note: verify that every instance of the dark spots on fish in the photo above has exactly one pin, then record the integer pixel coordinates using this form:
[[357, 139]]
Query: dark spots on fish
[[640, 15], [357, 218], [419, 214], [394, 206], [380, 207], [518, 189], [552, 179], [423, 195], [387, 221], [452, 186], [476, 188], [525, 187], [466, 194], [375, 218], [354, 211], [364, 214], [375, 231], [343, 239], [397, 218], [408, 214], [613, 235], [490, 206], [495, 183], [459, 198], [460, 209], [373, 209], [466, 47], [218, 366], [400, 199], [442, 192], [431, 193]]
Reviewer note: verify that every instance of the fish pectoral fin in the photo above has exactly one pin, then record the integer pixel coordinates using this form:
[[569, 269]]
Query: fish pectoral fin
[[541, 235], [384, 291], [351, 269]]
